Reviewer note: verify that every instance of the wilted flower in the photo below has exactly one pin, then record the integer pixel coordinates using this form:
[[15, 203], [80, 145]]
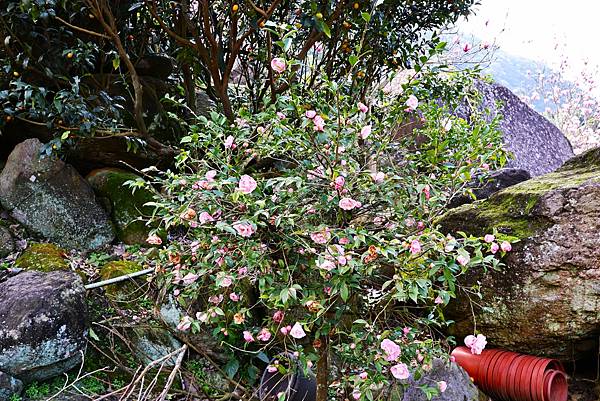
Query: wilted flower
[[264, 335], [184, 324], [365, 132], [154, 239], [248, 337], [363, 107], [506, 246], [476, 344]]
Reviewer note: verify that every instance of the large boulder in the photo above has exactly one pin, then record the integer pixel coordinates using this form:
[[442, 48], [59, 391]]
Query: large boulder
[[43, 324], [536, 144], [126, 206], [546, 300], [52, 200]]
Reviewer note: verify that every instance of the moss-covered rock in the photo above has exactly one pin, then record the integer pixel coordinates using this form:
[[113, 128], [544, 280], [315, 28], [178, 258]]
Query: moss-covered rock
[[123, 291], [51, 200], [546, 299], [126, 207], [43, 257]]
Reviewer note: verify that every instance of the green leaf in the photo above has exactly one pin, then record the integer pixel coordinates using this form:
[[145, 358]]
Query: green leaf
[[93, 335], [263, 357], [116, 62], [366, 17], [353, 60], [65, 135], [344, 292], [232, 367]]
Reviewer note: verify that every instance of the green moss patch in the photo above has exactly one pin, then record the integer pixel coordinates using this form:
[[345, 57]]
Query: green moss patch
[[123, 291], [43, 257]]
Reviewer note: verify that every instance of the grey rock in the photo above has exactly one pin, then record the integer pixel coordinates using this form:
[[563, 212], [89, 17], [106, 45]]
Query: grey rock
[[546, 299], [50, 199], [204, 104], [152, 343], [43, 324], [459, 384], [497, 180], [9, 386], [7, 244], [537, 145]]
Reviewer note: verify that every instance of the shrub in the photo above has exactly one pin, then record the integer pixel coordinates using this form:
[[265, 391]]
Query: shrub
[[310, 227]]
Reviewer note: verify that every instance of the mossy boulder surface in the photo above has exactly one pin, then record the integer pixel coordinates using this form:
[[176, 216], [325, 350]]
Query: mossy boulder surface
[[126, 207], [44, 324], [122, 291], [43, 257], [546, 300], [51, 200]]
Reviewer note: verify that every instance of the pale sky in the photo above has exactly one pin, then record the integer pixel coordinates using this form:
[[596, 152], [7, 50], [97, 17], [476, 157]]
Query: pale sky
[[532, 28]]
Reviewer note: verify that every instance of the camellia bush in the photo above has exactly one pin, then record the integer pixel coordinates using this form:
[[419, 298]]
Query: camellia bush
[[309, 229]]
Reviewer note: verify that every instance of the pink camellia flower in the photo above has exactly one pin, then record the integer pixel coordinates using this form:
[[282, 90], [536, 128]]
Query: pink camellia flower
[[365, 132], [281, 116], [184, 324], [406, 330], [485, 166], [378, 177], [506, 246], [400, 371], [489, 238], [297, 331], [438, 300], [442, 386], [226, 281], [189, 278], [210, 175], [310, 114], [363, 107], [278, 316], [344, 241], [234, 297], [321, 237], [452, 358], [286, 330], [278, 65], [264, 335], [205, 217], [412, 102], [415, 246], [326, 265], [319, 123], [363, 375], [349, 204], [463, 260], [339, 182], [356, 394], [272, 369], [244, 229], [391, 349], [247, 184], [426, 191], [229, 142], [248, 337], [154, 239], [476, 344], [494, 248]]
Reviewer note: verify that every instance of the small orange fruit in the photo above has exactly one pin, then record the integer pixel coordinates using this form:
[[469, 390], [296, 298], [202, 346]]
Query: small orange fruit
[[8, 119], [356, 6], [347, 25], [261, 24], [70, 55], [16, 74], [319, 15], [235, 8]]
